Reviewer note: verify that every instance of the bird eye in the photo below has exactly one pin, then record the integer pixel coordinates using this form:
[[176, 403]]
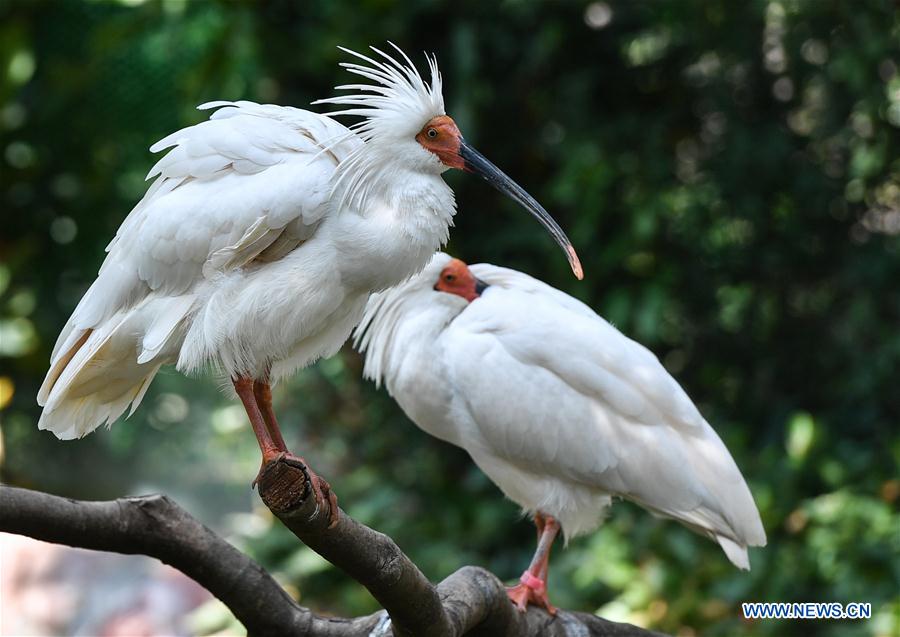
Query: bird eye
[[432, 133], [449, 278]]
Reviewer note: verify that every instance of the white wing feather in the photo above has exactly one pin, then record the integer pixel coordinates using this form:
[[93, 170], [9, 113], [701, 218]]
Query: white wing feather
[[242, 178]]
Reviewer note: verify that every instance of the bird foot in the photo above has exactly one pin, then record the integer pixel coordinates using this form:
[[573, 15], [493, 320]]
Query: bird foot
[[323, 492], [325, 497], [530, 590]]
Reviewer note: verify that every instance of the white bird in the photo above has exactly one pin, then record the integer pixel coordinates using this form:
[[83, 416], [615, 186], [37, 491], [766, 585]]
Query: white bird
[[554, 404], [256, 247]]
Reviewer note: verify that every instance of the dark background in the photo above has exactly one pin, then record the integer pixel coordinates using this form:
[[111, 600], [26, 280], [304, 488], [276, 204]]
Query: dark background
[[727, 171]]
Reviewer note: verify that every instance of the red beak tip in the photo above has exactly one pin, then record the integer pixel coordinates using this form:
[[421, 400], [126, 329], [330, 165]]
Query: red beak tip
[[575, 263]]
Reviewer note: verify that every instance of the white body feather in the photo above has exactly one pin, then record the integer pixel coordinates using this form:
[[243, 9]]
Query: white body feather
[[257, 245], [554, 404]]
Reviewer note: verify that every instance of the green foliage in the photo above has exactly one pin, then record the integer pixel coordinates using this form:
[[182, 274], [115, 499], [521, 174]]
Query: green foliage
[[728, 172]]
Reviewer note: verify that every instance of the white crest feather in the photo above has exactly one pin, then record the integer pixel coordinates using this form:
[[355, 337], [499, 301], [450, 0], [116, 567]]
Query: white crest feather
[[395, 107], [398, 103]]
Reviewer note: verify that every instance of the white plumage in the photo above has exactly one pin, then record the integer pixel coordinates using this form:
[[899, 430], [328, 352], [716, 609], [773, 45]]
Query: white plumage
[[258, 243], [553, 403]]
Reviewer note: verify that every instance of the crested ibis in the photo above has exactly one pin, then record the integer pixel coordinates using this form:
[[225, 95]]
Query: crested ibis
[[561, 410]]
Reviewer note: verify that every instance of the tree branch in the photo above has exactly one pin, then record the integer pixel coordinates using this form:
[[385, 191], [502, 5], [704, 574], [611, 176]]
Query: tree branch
[[369, 557], [470, 602], [154, 525]]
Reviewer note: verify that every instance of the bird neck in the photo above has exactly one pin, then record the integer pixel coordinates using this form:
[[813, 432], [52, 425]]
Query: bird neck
[[392, 219], [401, 331], [408, 181]]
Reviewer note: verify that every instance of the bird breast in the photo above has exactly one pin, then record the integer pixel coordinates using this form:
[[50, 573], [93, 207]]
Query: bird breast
[[391, 240], [304, 305]]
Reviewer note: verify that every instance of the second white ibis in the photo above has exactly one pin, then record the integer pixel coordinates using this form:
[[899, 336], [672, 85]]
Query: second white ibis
[[555, 405]]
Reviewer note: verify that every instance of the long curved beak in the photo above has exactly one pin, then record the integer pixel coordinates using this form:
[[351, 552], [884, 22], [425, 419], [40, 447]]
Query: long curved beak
[[475, 162]]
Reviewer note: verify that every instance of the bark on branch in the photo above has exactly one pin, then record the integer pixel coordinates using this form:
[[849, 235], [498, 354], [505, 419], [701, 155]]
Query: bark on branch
[[470, 602]]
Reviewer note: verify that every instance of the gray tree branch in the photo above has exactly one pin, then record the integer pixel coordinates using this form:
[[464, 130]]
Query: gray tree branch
[[470, 602]]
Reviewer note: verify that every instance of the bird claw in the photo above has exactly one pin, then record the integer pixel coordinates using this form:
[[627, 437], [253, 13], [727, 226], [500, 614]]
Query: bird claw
[[530, 590], [322, 492], [321, 489]]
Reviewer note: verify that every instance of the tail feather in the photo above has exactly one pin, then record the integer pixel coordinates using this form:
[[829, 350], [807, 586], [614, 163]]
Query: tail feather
[[733, 539], [97, 373], [735, 552], [77, 417], [62, 356], [141, 390], [708, 495]]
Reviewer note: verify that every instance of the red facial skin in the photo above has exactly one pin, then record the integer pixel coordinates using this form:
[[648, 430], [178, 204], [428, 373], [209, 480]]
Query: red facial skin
[[441, 137], [456, 278]]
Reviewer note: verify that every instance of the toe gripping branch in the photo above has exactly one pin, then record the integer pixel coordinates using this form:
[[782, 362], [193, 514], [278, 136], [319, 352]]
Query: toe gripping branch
[[296, 495]]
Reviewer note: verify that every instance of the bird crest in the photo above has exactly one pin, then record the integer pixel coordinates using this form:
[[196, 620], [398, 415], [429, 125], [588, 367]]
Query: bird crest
[[397, 104], [394, 109]]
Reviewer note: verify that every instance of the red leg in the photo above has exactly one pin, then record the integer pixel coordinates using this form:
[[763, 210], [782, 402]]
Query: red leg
[[244, 388], [532, 588], [262, 395], [540, 522], [545, 566]]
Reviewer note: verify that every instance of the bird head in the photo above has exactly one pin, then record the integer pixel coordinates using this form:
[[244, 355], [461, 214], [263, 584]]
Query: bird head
[[456, 278], [406, 124]]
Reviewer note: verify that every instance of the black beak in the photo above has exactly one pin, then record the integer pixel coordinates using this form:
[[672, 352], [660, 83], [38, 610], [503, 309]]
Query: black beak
[[477, 163], [480, 286]]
